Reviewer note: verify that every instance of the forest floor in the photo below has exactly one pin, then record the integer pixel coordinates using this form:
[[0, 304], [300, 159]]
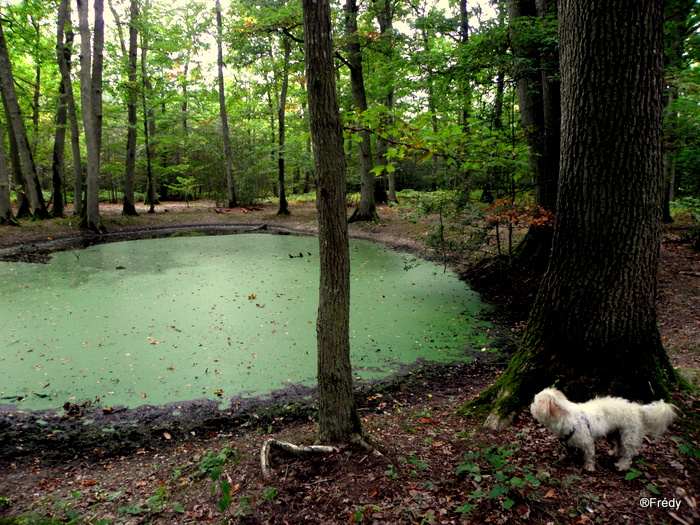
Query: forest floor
[[435, 467]]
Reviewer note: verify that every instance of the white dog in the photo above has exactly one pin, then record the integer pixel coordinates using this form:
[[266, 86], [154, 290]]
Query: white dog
[[580, 424]]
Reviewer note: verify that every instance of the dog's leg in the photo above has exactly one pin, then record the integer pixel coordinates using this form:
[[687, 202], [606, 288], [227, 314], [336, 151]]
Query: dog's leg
[[615, 440], [630, 442], [588, 455]]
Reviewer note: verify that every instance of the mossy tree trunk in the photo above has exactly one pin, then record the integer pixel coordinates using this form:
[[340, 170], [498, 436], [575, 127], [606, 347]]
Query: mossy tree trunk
[[592, 329], [338, 421]]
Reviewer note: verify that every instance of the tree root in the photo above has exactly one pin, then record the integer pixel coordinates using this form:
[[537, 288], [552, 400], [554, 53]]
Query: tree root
[[297, 450]]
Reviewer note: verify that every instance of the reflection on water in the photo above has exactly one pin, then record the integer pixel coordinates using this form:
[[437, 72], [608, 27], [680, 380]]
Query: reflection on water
[[163, 320]]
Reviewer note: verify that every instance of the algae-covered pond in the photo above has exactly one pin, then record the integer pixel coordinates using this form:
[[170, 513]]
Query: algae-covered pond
[[180, 318]]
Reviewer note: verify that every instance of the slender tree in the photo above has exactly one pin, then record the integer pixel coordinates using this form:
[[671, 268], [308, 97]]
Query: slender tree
[[228, 155], [384, 11], [337, 415], [593, 327], [59, 147], [6, 216], [281, 113], [130, 55], [366, 208], [64, 44], [91, 98], [537, 88], [30, 176]]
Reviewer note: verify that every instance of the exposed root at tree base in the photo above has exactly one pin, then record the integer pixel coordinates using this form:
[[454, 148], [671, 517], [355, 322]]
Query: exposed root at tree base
[[297, 450]]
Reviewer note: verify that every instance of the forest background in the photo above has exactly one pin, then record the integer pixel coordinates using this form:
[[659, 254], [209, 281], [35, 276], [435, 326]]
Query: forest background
[[448, 90]]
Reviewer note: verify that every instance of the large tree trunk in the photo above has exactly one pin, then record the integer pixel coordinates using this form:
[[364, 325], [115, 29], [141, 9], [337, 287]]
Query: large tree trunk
[[337, 415], [30, 176], [366, 208], [593, 327], [228, 155]]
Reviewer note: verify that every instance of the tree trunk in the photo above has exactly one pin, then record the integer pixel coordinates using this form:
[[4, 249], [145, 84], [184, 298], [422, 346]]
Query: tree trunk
[[366, 208], [6, 217], [129, 206], [63, 57], [384, 15], [30, 176], [538, 91], [337, 415], [91, 97], [228, 155], [593, 326], [59, 149], [282, 110], [679, 26], [23, 208]]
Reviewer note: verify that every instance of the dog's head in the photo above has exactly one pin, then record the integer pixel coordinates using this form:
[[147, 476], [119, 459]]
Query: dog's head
[[549, 405]]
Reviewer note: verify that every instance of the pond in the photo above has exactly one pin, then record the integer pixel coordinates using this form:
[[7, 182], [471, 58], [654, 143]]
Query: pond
[[181, 318]]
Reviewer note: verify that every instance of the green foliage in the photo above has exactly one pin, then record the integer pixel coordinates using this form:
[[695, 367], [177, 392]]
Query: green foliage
[[153, 505], [491, 471], [212, 465], [184, 187], [460, 228], [414, 461]]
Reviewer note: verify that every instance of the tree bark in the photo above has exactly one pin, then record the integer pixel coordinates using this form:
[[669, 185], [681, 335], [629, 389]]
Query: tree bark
[[129, 205], [679, 26], [281, 113], [593, 326], [59, 149], [6, 216], [366, 208], [228, 155], [385, 186], [23, 208], [30, 176], [91, 97], [337, 415], [63, 57], [538, 92]]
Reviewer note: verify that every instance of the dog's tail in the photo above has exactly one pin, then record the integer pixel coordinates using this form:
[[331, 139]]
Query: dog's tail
[[657, 417]]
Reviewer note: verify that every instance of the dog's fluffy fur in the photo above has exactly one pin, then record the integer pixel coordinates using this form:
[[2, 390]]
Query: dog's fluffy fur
[[580, 424]]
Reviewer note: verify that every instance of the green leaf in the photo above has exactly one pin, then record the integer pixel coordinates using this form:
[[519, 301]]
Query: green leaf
[[508, 503]]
